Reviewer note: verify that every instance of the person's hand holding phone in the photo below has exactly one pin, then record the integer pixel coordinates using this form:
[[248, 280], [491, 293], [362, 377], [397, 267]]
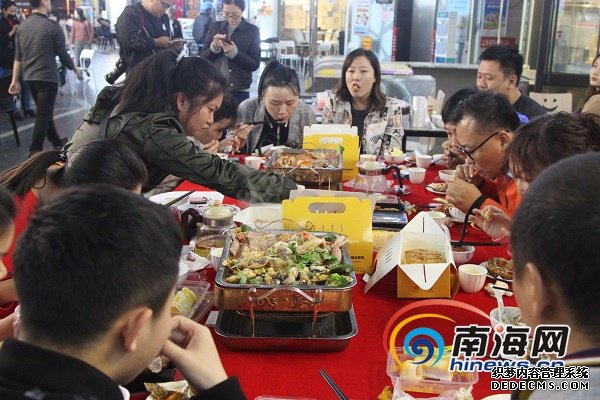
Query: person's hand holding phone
[[218, 40], [177, 44]]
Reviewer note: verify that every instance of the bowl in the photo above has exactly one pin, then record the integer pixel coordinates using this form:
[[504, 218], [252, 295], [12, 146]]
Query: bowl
[[438, 217], [456, 214], [398, 159], [184, 270], [513, 314], [445, 174], [462, 254], [471, 277]]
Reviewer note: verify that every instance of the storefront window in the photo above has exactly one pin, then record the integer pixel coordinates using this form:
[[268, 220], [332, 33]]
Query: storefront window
[[576, 38]]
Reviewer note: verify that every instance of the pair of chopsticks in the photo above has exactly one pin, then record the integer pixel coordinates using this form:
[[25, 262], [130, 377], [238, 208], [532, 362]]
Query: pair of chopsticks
[[463, 243], [258, 122], [333, 385], [183, 196]]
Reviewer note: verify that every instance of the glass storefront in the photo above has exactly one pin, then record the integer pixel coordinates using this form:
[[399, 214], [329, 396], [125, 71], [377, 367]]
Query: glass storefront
[[576, 36]]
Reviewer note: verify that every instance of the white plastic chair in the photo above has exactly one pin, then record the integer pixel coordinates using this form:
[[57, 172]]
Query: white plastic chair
[[85, 62], [286, 53], [554, 102]]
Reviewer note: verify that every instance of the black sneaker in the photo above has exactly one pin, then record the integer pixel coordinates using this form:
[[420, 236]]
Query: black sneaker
[[63, 141], [30, 113]]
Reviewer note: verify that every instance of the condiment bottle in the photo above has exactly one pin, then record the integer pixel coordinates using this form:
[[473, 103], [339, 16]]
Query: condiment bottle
[[217, 222]]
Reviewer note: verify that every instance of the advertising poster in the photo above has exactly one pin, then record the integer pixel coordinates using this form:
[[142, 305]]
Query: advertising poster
[[361, 16], [491, 17]]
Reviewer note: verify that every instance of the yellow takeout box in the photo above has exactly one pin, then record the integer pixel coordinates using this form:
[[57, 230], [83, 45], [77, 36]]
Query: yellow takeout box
[[438, 280], [349, 216], [333, 136]]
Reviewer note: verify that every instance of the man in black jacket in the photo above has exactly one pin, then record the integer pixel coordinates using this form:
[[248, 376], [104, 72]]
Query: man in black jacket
[[233, 45], [201, 24], [143, 29]]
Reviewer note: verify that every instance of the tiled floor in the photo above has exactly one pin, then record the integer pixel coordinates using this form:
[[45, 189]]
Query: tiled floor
[[71, 106]]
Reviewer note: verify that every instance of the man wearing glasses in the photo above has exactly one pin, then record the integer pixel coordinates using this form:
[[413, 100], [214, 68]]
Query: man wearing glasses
[[144, 28], [484, 130], [233, 45]]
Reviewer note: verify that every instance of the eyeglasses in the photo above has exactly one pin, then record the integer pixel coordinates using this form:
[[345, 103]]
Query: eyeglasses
[[165, 6], [231, 16], [470, 153]]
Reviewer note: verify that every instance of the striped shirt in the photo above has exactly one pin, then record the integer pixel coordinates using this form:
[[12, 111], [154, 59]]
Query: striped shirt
[[39, 41]]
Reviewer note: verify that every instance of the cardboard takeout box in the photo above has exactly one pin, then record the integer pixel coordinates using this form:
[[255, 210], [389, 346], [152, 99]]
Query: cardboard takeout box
[[436, 280], [350, 216]]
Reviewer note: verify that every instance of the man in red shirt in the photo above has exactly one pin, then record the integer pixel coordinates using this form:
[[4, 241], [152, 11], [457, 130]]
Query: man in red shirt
[[483, 132]]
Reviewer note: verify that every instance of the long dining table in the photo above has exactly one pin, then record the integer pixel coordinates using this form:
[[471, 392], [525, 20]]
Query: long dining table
[[360, 369]]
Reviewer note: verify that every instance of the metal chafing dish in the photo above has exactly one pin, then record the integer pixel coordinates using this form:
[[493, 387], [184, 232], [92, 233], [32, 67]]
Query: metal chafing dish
[[321, 167], [285, 331], [281, 298]]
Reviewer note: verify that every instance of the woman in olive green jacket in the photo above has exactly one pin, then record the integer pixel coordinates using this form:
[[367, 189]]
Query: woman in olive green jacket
[[163, 100]]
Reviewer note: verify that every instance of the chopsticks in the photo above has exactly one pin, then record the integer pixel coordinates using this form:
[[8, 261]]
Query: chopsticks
[[333, 385], [501, 288], [462, 243], [258, 122], [183, 196]]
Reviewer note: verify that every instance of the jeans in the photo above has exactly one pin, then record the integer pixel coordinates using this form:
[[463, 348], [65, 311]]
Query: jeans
[[44, 94]]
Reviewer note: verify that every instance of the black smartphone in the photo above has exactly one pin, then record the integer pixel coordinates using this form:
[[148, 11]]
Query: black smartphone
[[227, 40]]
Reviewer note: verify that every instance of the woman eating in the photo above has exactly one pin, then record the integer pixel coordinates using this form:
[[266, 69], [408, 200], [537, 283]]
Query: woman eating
[[164, 99], [358, 101], [277, 114]]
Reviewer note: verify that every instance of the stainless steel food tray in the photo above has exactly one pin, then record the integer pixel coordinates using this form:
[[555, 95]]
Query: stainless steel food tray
[[309, 176], [302, 298], [286, 332]]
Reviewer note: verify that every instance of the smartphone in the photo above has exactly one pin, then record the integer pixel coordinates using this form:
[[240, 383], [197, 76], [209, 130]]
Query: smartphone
[[227, 40]]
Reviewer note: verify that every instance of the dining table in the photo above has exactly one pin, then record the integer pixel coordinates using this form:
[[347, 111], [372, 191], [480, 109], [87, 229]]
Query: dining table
[[360, 370]]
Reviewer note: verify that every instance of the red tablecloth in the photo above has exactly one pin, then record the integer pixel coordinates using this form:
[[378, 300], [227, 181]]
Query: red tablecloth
[[360, 369]]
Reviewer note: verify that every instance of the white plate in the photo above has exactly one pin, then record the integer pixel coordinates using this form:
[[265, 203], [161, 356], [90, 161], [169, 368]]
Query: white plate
[[489, 274], [499, 396], [430, 189], [164, 198]]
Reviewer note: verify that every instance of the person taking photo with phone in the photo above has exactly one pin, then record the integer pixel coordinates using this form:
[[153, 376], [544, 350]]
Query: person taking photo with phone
[[233, 45]]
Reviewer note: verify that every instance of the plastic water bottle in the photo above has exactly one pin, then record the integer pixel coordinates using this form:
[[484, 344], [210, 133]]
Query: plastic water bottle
[[229, 135]]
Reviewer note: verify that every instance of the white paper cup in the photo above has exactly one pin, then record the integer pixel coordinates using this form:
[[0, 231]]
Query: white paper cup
[[438, 217], [471, 277], [253, 162], [423, 160], [416, 175], [215, 256]]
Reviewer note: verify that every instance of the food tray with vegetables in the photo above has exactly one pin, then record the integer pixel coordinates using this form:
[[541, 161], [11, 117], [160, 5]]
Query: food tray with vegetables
[[314, 167], [284, 271]]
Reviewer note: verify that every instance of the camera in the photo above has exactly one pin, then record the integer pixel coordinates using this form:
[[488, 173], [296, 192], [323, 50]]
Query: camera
[[119, 70]]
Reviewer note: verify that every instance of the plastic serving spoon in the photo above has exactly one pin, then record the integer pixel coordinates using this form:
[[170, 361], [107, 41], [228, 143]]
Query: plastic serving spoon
[[501, 311]]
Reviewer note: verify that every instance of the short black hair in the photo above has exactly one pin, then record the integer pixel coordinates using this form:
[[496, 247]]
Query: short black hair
[[278, 75], [451, 109], [490, 111], [7, 4], [35, 3], [550, 231], [7, 209], [240, 3], [511, 62], [88, 256], [228, 109]]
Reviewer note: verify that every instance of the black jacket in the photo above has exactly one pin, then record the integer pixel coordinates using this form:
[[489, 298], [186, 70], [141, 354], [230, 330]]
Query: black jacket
[[160, 141], [247, 40], [7, 43], [136, 30], [28, 372]]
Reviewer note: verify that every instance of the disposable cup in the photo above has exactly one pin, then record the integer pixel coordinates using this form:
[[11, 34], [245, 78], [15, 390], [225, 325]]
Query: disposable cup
[[416, 175], [471, 277], [423, 160]]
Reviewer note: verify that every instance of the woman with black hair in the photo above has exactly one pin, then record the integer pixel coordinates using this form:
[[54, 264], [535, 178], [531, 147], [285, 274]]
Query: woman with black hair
[[278, 105], [164, 99], [44, 174], [592, 98], [358, 101]]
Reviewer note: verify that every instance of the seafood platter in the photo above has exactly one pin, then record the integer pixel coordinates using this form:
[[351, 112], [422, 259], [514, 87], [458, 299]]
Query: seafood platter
[[316, 167], [285, 290]]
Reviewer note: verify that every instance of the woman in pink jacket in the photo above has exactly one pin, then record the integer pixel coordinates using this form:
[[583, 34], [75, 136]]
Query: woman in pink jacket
[[82, 34]]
